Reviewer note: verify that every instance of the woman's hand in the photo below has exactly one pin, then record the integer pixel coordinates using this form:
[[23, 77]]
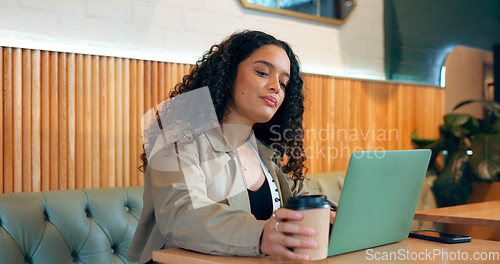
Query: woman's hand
[[276, 236]]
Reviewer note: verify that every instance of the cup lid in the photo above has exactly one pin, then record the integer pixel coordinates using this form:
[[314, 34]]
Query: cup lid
[[307, 202]]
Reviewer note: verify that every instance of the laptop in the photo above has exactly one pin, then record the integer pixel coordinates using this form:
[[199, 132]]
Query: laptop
[[379, 199]]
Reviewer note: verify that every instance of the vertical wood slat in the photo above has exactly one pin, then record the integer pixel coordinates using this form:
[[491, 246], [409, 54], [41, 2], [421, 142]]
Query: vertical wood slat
[[330, 106], [154, 83], [168, 80], [71, 108], [119, 122], [338, 107], [8, 125], [36, 121], [1, 119], [147, 85], [182, 71], [95, 122], [45, 120], [174, 74], [54, 125], [63, 121], [27, 177], [79, 123], [126, 122], [392, 122], [162, 89], [73, 121], [18, 120], [103, 120], [88, 121], [134, 124], [141, 110], [112, 121]]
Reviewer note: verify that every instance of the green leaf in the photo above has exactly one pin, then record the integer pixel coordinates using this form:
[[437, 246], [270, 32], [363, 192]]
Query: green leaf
[[453, 185], [435, 145], [493, 106], [421, 142], [454, 119], [485, 159], [460, 125]]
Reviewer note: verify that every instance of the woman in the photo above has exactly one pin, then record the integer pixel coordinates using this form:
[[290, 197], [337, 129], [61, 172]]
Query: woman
[[257, 92]]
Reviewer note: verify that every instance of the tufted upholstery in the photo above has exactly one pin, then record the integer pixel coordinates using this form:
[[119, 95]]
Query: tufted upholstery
[[93, 226], [329, 183]]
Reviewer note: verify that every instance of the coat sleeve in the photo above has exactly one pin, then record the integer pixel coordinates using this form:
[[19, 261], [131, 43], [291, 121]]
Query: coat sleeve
[[296, 187], [204, 226]]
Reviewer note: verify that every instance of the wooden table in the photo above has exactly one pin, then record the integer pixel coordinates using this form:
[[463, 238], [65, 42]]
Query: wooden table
[[481, 214], [408, 251]]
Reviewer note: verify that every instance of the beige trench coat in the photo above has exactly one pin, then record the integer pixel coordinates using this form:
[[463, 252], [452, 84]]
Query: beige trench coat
[[227, 227]]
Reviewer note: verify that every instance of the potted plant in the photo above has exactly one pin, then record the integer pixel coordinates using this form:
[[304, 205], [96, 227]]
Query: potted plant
[[470, 149]]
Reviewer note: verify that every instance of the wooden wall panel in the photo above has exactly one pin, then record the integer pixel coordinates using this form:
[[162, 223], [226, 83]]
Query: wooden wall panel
[[8, 123], [45, 120], [71, 126], [119, 124], [54, 124], [110, 115], [27, 178], [134, 125], [346, 115], [36, 111], [139, 112], [1, 119], [103, 123], [96, 147], [18, 119], [62, 135], [79, 123], [72, 121], [126, 122], [87, 147]]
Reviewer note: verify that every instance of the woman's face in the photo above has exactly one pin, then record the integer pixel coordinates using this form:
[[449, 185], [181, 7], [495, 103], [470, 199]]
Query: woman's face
[[259, 87]]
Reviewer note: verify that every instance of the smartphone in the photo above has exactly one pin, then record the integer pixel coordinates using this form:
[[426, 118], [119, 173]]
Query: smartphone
[[439, 237]]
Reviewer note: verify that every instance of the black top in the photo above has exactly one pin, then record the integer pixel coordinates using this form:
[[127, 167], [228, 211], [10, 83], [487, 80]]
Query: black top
[[261, 203]]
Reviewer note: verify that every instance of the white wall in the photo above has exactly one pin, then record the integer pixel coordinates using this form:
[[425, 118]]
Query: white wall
[[181, 30], [466, 70]]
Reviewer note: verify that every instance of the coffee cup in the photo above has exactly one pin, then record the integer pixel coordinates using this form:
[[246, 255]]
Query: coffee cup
[[316, 215]]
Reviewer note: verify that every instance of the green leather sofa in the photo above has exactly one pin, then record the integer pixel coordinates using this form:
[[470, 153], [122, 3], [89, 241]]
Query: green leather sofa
[[92, 226], [96, 226]]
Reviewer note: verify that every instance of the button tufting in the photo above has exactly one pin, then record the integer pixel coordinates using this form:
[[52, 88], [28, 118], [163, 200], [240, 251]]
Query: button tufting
[[112, 251], [45, 216], [87, 211], [127, 209]]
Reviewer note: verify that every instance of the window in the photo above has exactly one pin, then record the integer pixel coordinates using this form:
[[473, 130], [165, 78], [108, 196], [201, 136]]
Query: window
[[327, 11]]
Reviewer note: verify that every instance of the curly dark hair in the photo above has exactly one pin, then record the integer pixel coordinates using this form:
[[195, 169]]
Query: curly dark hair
[[217, 69]]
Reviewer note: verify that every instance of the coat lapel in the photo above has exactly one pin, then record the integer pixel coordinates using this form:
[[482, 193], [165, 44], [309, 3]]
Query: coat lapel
[[220, 144], [241, 200]]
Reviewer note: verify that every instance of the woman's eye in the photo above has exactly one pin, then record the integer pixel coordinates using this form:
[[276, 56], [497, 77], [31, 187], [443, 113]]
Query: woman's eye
[[261, 73], [283, 86]]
